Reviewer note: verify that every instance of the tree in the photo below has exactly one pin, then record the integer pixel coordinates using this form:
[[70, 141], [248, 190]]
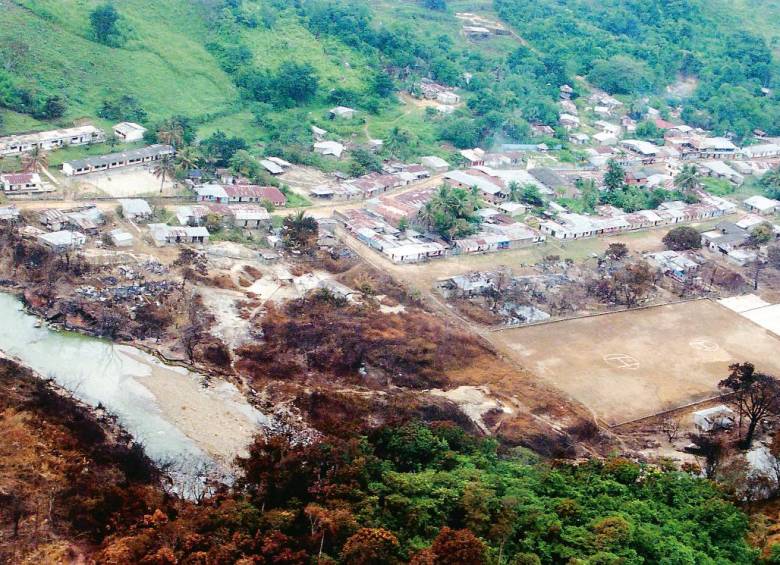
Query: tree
[[188, 158], [687, 180], [103, 20], [164, 168], [371, 546], [621, 74], [54, 107], [755, 396], [671, 428], [451, 212], [219, 148], [243, 163], [682, 238], [615, 177], [296, 82], [35, 160], [440, 5], [532, 196], [589, 194], [364, 161], [455, 547], [616, 251], [760, 235], [300, 231], [771, 183]]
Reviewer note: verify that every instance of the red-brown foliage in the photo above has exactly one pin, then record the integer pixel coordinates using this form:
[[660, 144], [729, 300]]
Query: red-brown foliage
[[326, 335]]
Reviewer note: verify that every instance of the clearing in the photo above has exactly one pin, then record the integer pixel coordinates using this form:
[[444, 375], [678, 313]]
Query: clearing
[[631, 365]]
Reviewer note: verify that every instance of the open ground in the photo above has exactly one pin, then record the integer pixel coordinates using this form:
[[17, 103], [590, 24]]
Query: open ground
[[630, 365]]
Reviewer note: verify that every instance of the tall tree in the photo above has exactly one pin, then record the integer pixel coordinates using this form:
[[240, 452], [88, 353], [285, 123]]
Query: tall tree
[[687, 180], [755, 396], [163, 169], [615, 177]]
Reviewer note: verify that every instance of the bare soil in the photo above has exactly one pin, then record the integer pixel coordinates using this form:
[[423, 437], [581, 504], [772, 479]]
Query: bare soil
[[630, 365]]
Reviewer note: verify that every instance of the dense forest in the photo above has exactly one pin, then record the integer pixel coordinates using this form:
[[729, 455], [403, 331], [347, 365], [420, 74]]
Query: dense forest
[[638, 48], [403, 493]]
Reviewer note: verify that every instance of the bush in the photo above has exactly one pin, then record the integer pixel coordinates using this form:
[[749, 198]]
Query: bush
[[682, 239]]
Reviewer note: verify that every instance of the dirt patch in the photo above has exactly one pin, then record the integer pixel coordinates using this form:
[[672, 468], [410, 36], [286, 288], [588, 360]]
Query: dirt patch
[[122, 183], [634, 364]]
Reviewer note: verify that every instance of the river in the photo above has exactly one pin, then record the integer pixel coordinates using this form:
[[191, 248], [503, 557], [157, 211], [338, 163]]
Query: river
[[181, 422]]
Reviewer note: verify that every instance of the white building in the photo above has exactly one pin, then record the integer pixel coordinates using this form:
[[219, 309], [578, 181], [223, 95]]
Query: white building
[[61, 241], [18, 183], [49, 140], [435, 164], [762, 205], [116, 160], [329, 149], [135, 208], [128, 132], [120, 238]]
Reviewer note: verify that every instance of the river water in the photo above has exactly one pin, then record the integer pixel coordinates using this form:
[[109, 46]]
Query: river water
[[180, 421]]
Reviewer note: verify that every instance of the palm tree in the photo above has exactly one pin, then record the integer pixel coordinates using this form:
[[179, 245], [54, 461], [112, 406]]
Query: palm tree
[[35, 160], [172, 135], [426, 214], [687, 180], [188, 158], [164, 168]]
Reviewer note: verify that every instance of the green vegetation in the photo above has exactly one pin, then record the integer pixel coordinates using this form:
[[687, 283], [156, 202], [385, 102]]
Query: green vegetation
[[432, 494], [635, 48], [451, 212]]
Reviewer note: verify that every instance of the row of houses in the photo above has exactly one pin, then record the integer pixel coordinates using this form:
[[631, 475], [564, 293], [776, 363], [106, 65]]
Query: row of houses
[[567, 225], [112, 161], [372, 184], [50, 140], [239, 193], [245, 216]]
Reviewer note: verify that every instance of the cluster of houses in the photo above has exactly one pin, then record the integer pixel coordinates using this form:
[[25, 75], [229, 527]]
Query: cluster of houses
[[394, 175], [375, 225], [729, 238]]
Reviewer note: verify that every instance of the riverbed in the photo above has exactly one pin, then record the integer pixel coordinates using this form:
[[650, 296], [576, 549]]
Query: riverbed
[[181, 421]]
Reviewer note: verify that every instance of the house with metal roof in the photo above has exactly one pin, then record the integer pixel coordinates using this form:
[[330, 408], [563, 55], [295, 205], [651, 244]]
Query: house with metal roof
[[117, 160]]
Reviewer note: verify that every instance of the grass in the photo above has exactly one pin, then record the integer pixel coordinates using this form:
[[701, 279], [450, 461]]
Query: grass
[[718, 187], [295, 200]]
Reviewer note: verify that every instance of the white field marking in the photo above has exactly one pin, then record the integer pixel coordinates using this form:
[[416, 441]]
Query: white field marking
[[622, 361], [704, 344]]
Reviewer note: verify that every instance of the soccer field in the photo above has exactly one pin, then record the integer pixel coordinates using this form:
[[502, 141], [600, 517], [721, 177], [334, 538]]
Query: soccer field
[[630, 365]]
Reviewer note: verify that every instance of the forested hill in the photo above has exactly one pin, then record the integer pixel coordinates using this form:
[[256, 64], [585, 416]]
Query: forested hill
[[266, 69], [639, 47]]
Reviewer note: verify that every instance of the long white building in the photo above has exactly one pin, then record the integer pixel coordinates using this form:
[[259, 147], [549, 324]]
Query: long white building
[[49, 140]]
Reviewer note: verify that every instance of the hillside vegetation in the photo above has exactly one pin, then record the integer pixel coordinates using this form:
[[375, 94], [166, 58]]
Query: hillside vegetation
[[266, 69]]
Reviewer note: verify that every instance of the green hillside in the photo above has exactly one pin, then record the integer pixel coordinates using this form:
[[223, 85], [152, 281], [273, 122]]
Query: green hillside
[[163, 60], [239, 65]]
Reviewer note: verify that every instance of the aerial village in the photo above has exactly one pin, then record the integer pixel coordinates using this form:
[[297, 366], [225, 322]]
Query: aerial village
[[535, 239]]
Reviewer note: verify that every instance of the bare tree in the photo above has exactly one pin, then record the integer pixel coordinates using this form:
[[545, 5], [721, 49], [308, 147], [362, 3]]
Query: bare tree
[[671, 428]]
